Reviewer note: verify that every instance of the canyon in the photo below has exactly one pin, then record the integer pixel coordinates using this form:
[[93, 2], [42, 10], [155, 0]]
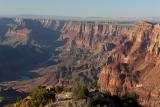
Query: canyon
[[118, 56]]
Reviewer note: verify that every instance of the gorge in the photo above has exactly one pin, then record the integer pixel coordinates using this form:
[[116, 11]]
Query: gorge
[[118, 56]]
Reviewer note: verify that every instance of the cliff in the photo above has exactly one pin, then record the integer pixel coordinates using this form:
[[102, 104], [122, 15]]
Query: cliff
[[141, 58], [132, 61], [123, 57]]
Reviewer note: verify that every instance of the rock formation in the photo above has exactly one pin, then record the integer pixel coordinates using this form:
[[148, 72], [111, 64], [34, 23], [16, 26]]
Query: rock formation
[[124, 56]]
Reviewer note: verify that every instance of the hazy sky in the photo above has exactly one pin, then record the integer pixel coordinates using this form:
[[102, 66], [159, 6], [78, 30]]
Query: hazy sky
[[83, 8]]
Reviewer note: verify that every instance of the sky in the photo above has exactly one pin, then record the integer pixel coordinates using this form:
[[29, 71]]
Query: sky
[[81, 8]]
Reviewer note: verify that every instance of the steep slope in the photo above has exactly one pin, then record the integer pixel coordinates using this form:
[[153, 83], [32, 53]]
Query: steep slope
[[131, 53], [24, 43], [142, 65], [119, 57]]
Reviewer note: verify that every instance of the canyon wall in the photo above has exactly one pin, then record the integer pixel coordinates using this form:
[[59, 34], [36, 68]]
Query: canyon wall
[[130, 51], [132, 61]]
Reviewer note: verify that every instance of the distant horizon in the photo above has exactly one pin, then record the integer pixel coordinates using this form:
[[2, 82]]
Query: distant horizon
[[77, 16], [118, 18], [19, 15]]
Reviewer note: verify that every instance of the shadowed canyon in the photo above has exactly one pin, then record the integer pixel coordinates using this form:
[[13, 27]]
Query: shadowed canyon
[[118, 56]]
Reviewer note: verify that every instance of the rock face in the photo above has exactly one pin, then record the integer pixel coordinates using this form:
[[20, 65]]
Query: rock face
[[124, 56], [114, 79], [132, 61], [91, 34], [141, 59]]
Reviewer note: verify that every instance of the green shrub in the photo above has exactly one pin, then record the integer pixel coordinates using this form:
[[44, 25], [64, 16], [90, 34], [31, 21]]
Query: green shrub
[[92, 85], [130, 96], [83, 92], [41, 97], [66, 89], [59, 89]]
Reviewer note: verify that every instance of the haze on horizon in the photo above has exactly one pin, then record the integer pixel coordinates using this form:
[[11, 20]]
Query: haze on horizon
[[82, 8]]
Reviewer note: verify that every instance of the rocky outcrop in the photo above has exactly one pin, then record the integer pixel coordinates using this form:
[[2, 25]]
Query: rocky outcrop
[[115, 79], [16, 37], [92, 35], [142, 61], [131, 52]]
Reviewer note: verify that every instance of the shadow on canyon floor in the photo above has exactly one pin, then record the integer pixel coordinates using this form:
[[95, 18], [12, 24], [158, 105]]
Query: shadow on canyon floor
[[16, 63]]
